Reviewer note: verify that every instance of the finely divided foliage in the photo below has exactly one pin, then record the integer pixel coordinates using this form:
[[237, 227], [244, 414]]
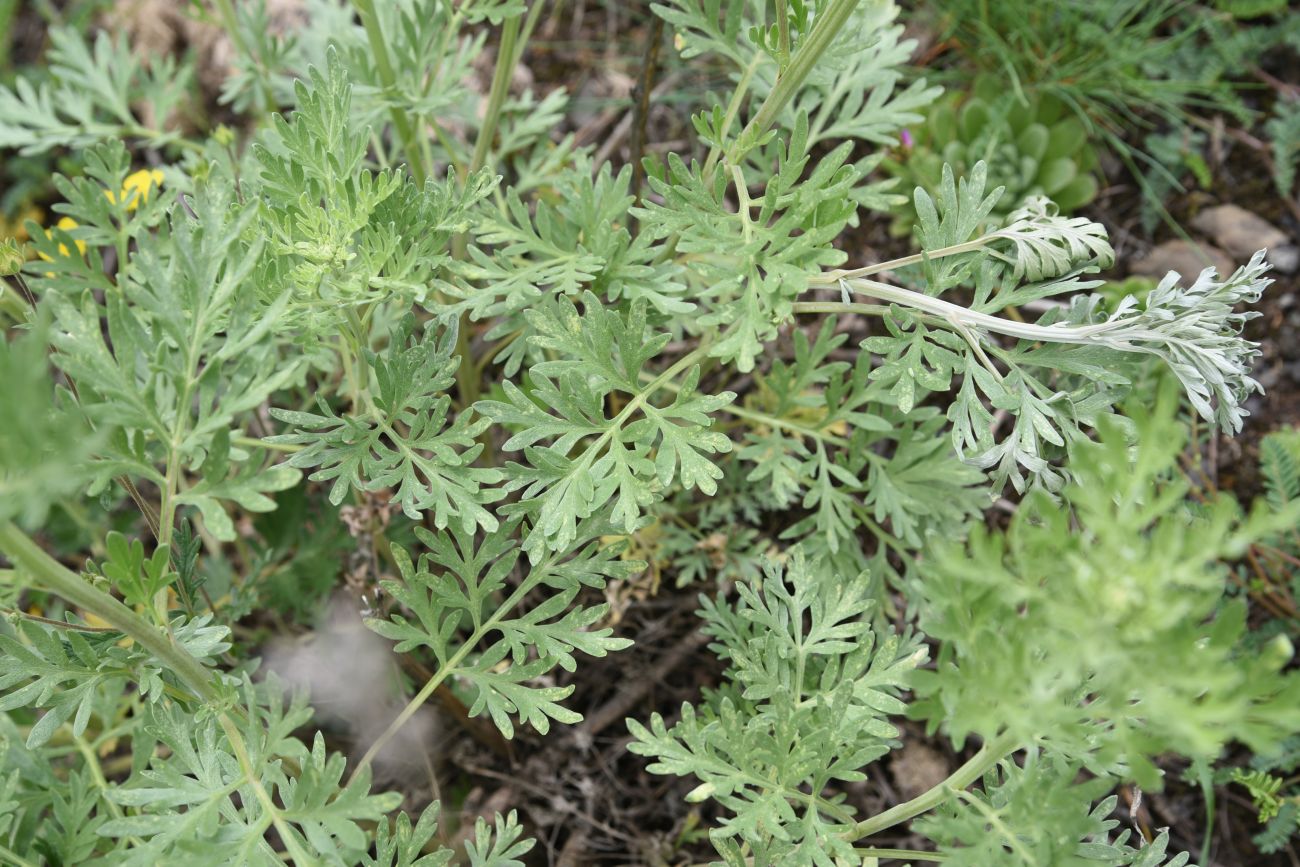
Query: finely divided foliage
[[543, 368]]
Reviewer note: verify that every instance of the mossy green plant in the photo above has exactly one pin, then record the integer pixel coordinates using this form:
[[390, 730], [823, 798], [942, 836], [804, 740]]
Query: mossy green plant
[[1032, 145]]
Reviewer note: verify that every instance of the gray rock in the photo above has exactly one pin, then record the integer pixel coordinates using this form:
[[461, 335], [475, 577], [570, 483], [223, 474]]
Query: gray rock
[[1239, 232], [1185, 258], [1285, 258]]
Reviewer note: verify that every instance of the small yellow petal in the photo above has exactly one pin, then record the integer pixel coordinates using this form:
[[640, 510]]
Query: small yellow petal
[[17, 227], [64, 223], [95, 620], [139, 185]]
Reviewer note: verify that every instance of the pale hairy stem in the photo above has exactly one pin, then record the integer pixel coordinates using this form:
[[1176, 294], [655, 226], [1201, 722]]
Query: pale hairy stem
[[782, 15], [52, 576], [733, 109], [507, 56], [508, 53], [832, 278], [983, 761], [388, 78], [957, 314]]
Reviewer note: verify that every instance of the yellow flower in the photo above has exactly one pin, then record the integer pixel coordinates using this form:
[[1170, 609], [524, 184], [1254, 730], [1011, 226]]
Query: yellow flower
[[64, 223], [17, 228], [137, 187]]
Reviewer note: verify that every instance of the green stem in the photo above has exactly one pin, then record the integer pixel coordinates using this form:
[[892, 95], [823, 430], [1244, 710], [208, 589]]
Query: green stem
[[505, 67], [880, 532], [989, 755], [508, 52], [231, 22], [51, 575], [530, 24], [299, 855], [388, 78], [658, 382], [901, 854], [447, 669], [831, 278], [887, 854], [789, 80], [827, 28], [56, 624], [733, 109], [255, 443], [767, 419], [8, 8], [783, 30], [54, 577], [9, 856], [97, 776], [1008, 836]]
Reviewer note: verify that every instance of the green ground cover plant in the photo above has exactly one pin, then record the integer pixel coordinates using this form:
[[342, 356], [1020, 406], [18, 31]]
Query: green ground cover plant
[[383, 290]]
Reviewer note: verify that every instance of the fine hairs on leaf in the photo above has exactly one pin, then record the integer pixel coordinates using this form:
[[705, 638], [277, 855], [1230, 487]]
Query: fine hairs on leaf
[[390, 336]]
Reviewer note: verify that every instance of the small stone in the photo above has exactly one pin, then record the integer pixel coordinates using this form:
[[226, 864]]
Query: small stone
[[1186, 258], [1285, 258], [1239, 232], [918, 767]]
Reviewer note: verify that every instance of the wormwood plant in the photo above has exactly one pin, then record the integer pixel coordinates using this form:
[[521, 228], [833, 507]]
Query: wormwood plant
[[1274, 571], [544, 369]]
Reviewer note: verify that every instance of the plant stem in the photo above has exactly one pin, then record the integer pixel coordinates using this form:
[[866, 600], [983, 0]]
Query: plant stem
[[788, 82], [764, 418], [55, 624], [530, 24], [449, 668], [300, 857], [501, 75], [8, 8], [956, 314], [827, 28], [989, 755], [388, 78], [831, 278], [901, 854], [733, 109], [51, 575], [54, 577], [9, 856], [231, 21], [508, 52], [255, 443], [886, 537], [91, 760], [782, 16]]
